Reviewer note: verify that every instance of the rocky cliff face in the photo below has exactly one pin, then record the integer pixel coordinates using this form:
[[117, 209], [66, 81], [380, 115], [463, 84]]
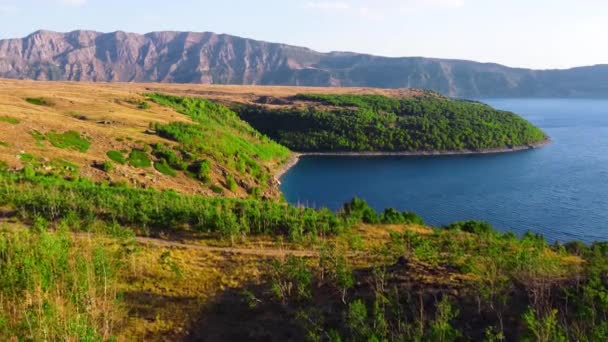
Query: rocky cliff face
[[188, 57]]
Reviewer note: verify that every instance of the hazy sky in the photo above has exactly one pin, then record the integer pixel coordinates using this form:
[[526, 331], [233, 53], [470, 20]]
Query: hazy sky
[[521, 33]]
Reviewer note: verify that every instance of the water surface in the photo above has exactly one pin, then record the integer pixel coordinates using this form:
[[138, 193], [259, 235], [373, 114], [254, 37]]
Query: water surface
[[560, 191]]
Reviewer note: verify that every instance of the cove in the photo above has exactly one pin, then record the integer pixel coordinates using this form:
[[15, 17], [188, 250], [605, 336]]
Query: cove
[[560, 190]]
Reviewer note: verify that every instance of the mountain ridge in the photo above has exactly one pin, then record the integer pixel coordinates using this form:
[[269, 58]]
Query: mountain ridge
[[210, 58]]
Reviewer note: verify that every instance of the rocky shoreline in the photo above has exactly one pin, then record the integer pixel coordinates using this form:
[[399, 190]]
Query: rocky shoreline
[[295, 158]]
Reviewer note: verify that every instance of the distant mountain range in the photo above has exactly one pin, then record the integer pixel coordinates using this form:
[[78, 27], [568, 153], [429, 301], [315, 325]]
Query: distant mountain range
[[189, 57]]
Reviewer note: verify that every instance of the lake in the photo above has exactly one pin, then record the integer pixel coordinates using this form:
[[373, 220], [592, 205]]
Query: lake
[[560, 190]]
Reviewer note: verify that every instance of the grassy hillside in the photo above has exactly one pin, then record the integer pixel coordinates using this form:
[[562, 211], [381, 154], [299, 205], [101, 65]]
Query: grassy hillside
[[329, 123], [117, 135], [132, 212]]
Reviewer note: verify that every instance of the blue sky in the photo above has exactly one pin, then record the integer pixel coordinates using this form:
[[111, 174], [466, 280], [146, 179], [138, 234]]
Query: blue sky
[[521, 33]]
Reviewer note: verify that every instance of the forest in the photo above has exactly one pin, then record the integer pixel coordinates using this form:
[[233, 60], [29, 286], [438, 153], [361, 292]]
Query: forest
[[329, 123]]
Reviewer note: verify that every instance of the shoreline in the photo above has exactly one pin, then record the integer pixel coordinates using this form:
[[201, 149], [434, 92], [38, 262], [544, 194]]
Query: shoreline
[[295, 158]]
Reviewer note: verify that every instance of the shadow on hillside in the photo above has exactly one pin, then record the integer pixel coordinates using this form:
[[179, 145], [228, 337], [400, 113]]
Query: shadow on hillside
[[244, 315]]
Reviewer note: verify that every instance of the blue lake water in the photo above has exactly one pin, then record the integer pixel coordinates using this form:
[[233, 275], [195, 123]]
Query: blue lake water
[[560, 190]]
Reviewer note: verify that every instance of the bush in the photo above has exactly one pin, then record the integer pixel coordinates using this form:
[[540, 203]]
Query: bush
[[162, 167], [139, 158], [10, 120], [117, 157], [231, 183], [201, 170], [472, 226], [107, 166], [39, 101], [70, 140], [216, 189]]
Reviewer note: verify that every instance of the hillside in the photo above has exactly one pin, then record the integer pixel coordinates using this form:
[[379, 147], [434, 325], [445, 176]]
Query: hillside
[[116, 135], [426, 123], [209, 58], [150, 212]]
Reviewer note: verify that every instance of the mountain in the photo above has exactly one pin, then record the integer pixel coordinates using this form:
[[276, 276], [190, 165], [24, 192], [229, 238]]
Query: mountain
[[189, 57]]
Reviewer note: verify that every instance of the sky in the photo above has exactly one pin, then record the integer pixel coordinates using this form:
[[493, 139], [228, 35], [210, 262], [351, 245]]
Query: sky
[[539, 34]]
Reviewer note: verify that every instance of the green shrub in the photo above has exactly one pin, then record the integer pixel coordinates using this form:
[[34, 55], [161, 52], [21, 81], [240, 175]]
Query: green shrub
[[231, 183], [117, 157], [39, 101], [472, 226], [10, 120], [216, 189], [4, 144], [69, 140], [201, 170], [138, 158], [107, 166], [162, 167]]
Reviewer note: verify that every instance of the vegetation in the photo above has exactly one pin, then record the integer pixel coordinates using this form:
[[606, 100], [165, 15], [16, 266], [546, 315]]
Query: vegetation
[[54, 199], [141, 104], [164, 168], [218, 268], [54, 289], [117, 157], [9, 120], [39, 101], [380, 123], [447, 285], [217, 137], [70, 140], [107, 166], [139, 158]]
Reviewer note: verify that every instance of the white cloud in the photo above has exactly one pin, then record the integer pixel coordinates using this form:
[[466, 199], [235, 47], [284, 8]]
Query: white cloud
[[328, 6]]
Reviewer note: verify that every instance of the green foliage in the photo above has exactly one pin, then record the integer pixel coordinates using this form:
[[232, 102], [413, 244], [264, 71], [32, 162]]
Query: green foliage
[[216, 189], [472, 226], [107, 166], [201, 170], [358, 210], [9, 119], [544, 329], [4, 144], [165, 169], [291, 279], [231, 183], [441, 327], [173, 157], [379, 123], [54, 290], [218, 136], [55, 198], [139, 158], [117, 157], [39, 101], [69, 140], [39, 137]]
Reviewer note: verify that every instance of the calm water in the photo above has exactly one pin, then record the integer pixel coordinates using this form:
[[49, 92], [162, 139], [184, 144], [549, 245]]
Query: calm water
[[560, 190]]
